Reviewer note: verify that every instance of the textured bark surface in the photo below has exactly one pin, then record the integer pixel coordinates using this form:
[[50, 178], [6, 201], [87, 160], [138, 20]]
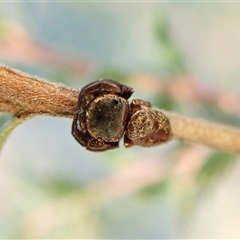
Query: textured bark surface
[[23, 95], [212, 134]]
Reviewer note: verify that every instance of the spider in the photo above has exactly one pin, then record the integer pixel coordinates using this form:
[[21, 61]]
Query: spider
[[104, 114]]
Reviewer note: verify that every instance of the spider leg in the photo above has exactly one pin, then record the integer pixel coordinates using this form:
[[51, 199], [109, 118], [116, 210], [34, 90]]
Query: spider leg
[[111, 86], [78, 130], [94, 89], [137, 104], [88, 93], [127, 142], [97, 145], [85, 139]]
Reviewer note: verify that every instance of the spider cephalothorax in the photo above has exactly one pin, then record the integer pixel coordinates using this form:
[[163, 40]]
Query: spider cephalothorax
[[104, 114], [101, 118]]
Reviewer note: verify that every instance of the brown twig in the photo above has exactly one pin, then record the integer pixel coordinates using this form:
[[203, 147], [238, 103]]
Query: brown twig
[[212, 134], [24, 96]]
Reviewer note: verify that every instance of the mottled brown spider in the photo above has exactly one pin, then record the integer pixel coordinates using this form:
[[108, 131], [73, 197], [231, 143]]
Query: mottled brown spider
[[103, 115]]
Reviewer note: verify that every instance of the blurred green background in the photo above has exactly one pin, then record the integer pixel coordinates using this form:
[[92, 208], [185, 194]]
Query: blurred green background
[[183, 57]]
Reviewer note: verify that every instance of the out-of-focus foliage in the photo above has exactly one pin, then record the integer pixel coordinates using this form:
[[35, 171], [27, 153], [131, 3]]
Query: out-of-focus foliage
[[173, 62], [152, 190], [214, 167], [7, 125]]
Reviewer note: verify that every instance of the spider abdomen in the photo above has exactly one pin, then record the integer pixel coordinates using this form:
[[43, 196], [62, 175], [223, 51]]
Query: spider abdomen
[[148, 127]]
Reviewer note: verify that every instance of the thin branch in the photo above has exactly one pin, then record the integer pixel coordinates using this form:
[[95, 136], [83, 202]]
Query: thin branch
[[212, 134], [24, 95]]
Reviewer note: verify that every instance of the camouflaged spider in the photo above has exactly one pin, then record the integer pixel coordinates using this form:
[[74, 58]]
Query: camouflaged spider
[[104, 114]]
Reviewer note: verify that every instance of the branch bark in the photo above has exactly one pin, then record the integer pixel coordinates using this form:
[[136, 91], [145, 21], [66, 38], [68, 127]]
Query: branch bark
[[25, 96], [208, 133]]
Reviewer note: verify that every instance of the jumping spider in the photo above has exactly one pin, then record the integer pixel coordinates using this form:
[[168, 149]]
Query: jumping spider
[[104, 114]]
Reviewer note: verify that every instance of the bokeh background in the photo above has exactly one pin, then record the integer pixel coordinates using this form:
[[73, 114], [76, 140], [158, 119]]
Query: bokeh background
[[183, 57]]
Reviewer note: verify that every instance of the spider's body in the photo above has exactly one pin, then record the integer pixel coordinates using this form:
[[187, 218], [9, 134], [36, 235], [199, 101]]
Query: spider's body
[[104, 115]]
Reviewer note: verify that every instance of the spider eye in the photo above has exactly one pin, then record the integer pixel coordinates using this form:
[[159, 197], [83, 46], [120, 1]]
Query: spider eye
[[115, 102]]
